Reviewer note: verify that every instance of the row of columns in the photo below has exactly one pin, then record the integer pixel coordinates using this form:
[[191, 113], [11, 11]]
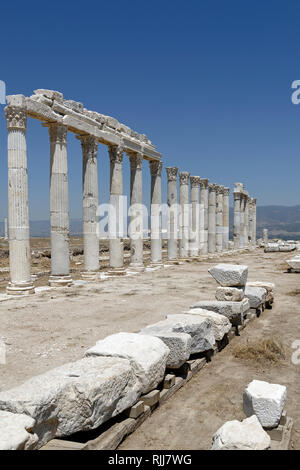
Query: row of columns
[[244, 221], [203, 216]]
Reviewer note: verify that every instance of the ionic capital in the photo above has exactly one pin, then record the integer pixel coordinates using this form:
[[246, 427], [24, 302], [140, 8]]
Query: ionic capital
[[195, 181], [116, 153], [16, 117], [155, 167], [58, 133], [184, 177], [204, 183], [172, 173]]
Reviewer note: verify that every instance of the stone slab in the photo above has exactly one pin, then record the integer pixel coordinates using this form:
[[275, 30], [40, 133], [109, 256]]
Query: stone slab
[[221, 325], [256, 296], [234, 311], [231, 294], [230, 275]]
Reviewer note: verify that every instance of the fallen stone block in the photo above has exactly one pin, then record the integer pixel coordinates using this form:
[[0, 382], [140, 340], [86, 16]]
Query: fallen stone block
[[230, 275], [287, 248], [256, 296], [16, 432], [241, 435], [266, 401], [271, 247], [234, 311], [179, 344], [231, 294], [294, 263], [221, 325], [269, 286], [147, 354], [78, 396]]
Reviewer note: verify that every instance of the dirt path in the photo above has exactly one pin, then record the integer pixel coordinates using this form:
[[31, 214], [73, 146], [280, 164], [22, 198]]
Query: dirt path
[[44, 331]]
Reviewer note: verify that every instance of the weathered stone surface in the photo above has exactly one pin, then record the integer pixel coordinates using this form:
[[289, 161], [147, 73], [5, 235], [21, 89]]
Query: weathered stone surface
[[233, 294], [294, 263], [255, 295], [147, 354], [269, 286], [245, 435], [51, 94], [74, 397], [179, 344], [230, 275], [234, 311], [221, 325], [271, 247], [266, 401], [16, 432]]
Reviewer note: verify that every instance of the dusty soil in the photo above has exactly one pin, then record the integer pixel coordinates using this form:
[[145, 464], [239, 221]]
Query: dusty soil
[[52, 328]]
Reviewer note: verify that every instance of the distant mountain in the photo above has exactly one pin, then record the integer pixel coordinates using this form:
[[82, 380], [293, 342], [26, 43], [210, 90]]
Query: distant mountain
[[281, 221]]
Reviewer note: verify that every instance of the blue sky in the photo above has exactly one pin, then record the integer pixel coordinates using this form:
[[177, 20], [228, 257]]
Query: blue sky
[[209, 82]]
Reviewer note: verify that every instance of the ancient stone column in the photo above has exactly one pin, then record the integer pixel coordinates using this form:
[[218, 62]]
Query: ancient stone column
[[203, 216], [116, 247], [266, 236], [5, 229], [236, 218], [225, 218], [172, 213], [250, 218], [136, 211], [254, 224], [59, 207], [219, 219], [212, 218], [184, 214], [195, 216], [89, 145], [156, 214], [246, 221], [18, 214], [242, 220]]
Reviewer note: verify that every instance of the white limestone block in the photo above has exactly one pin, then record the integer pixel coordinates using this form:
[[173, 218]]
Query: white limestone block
[[16, 432], [294, 263], [221, 325], [179, 344], [266, 401], [271, 247], [241, 435], [51, 94], [234, 311], [269, 286], [78, 396], [146, 354], [287, 248], [255, 295], [233, 294], [230, 275]]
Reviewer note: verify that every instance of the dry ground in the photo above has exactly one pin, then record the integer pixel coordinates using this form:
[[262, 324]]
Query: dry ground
[[52, 328]]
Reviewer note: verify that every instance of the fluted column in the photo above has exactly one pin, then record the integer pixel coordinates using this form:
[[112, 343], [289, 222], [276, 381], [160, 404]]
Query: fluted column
[[89, 145], [265, 236], [225, 218], [203, 216], [242, 215], [59, 207], [237, 218], [172, 213], [156, 215], [254, 224], [18, 213], [212, 218], [116, 246], [136, 211], [195, 215], [184, 214], [246, 223], [219, 219]]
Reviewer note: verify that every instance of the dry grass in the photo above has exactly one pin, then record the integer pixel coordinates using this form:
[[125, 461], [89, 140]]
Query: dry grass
[[269, 351], [294, 292]]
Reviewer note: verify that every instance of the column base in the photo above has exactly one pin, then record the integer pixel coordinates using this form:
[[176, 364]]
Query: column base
[[90, 275], [22, 288], [136, 267], [60, 281], [116, 272], [173, 261]]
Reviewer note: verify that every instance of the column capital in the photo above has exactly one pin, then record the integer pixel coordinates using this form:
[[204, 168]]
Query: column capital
[[212, 186], [184, 177], [239, 187], [136, 160], [89, 145], [16, 117], [226, 191], [116, 153], [155, 167], [57, 132], [195, 181], [219, 189], [204, 183], [172, 173]]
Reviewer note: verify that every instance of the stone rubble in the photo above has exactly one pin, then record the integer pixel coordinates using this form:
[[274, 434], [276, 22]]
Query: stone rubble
[[221, 325], [256, 296], [230, 275]]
